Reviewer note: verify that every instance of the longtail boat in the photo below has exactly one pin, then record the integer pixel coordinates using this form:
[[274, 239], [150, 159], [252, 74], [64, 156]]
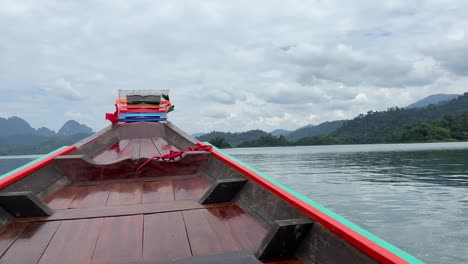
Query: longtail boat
[[143, 191]]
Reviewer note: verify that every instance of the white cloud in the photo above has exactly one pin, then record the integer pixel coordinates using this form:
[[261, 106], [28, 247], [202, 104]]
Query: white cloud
[[230, 66], [346, 65], [64, 89], [77, 116], [451, 55]]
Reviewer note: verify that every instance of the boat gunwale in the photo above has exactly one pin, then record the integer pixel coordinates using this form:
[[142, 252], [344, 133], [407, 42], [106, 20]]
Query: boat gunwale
[[370, 244], [19, 173]]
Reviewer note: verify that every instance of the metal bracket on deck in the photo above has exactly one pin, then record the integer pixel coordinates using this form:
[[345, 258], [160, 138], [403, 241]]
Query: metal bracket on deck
[[283, 239], [223, 191], [24, 204]]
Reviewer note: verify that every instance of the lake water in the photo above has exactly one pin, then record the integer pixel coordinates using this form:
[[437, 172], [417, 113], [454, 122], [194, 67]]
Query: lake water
[[8, 163], [415, 196]]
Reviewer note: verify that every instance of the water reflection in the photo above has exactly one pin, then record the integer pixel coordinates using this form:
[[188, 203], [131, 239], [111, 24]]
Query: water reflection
[[413, 196]]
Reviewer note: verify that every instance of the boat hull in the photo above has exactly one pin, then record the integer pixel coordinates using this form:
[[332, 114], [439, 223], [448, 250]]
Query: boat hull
[[199, 207]]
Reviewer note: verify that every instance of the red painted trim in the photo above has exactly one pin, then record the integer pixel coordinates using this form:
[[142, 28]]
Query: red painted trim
[[142, 110], [34, 167], [367, 246]]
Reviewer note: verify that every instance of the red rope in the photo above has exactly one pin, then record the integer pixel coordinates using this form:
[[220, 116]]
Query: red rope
[[114, 118], [173, 155]]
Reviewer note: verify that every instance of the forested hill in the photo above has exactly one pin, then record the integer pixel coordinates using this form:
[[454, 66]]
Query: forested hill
[[17, 137], [234, 139], [439, 122], [373, 127], [318, 130]]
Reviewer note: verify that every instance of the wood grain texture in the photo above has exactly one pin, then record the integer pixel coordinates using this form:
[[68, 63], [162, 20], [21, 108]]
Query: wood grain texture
[[30, 245], [148, 149], [134, 209], [158, 191], [163, 146], [112, 153], [132, 150], [165, 238], [91, 196], [73, 242], [124, 194], [145, 179], [223, 229], [246, 230], [207, 234], [191, 189], [120, 240], [9, 235]]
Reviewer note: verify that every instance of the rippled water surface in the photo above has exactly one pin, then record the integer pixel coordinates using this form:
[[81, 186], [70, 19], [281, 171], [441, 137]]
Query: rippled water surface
[[8, 163], [415, 196]]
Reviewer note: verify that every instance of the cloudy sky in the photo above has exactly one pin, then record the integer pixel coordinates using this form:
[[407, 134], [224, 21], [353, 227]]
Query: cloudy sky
[[230, 65]]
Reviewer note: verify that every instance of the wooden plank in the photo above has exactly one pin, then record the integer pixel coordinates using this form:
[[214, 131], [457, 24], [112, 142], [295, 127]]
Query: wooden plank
[[208, 234], [59, 184], [120, 240], [91, 196], [223, 229], [125, 193], [132, 150], [62, 198], [145, 179], [30, 245], [158, 191], [149, 208], [9, 235], [246, 230], [73, 242], [163, 146], [148, 149], [191, 189], [165, 237], [111, 154]]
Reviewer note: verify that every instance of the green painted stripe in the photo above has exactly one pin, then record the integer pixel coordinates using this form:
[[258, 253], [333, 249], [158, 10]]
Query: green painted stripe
[[8, 174], [400, 253]]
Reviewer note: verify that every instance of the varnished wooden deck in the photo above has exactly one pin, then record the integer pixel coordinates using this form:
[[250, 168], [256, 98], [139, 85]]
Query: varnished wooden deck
[[133, 191], [135, 148], [131, 221]]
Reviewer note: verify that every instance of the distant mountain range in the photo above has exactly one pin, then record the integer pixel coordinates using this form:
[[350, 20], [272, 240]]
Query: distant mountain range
[[18, 137], [318, 130], [373, 127], [235, 139], [280, 132], [18, 126], [433, 99]]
